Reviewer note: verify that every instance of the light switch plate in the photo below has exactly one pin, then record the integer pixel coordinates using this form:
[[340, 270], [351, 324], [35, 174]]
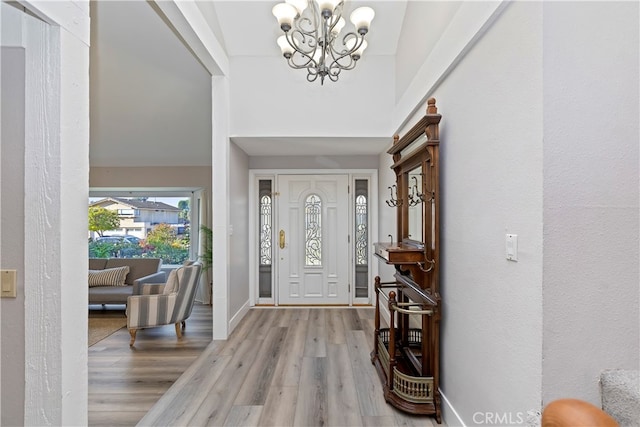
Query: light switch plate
[[8, 283], [512, 247]]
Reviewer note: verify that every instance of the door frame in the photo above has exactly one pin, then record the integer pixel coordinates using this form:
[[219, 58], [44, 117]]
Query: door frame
[[257, 174]]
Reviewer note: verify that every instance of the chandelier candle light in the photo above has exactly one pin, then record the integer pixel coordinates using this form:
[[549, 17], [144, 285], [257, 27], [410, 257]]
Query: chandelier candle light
[[312, 38]]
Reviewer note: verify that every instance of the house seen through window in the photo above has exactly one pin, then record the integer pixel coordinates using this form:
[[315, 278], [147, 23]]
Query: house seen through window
[[140, 227]]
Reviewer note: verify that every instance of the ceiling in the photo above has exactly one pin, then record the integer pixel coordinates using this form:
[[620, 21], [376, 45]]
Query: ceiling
[[149, 105]]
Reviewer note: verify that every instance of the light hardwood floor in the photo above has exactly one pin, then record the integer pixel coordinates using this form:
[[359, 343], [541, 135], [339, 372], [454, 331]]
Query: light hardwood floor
[[280, 367], [124, 382]]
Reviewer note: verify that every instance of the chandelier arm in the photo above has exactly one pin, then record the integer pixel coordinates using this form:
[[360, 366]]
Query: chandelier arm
[[337, 59], [335, 17], [296, 66], [338, 56], [359, 40], [298, 43], [333, 72], [300, 58], [337, 66], [312, 74], [299, 24]]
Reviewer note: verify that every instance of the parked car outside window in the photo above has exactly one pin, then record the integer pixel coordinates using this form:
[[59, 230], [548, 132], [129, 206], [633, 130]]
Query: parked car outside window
[[119, 239]]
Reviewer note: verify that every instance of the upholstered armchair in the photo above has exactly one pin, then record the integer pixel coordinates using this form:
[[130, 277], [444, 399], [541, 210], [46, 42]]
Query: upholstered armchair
[[164, 304]]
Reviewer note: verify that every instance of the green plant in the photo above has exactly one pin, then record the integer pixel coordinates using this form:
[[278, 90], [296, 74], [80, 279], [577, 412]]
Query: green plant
[[206, 234], [169, 254], [101, 219], [162, 234], [102, 250]]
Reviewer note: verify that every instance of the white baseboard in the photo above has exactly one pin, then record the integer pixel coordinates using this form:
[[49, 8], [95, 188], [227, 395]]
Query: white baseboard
[[236, 318], [449, 414]]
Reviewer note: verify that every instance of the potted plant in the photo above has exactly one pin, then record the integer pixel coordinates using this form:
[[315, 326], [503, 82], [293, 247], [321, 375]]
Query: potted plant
[[206, 236]]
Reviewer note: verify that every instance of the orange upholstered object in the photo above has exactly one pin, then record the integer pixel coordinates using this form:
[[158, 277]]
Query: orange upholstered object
[[575, 413]]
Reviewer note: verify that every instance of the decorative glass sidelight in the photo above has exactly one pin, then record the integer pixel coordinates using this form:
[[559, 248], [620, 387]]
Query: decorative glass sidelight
[[265, 233], [361, 232], [313, 230], [265, 229]]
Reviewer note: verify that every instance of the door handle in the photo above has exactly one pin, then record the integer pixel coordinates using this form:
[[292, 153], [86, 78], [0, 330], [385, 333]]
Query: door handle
[[282, 240]]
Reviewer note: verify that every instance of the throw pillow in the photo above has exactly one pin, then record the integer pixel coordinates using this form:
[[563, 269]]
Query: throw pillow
[[108, 277], [172, 284]]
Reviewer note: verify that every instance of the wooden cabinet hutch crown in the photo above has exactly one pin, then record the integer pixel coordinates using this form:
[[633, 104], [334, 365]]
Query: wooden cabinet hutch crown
[[406, 354]]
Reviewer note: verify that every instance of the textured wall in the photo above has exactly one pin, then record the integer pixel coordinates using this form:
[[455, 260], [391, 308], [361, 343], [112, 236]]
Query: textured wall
[[591, 136], [48, 190], [491, 149], [551, 112]]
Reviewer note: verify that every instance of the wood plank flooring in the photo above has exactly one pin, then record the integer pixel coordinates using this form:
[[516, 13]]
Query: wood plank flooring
[[124, 382], [280, 367]]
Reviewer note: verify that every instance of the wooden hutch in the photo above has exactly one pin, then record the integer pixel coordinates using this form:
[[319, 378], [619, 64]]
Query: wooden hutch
[[406, 354]]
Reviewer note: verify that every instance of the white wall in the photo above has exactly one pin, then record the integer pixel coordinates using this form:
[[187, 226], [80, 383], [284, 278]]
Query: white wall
[[591, 134], [354, 107], [539, 138], [239, 223], [491, 153], [12, 89], [313, 162], [491, 184], [150, 97], [220, 214], [150, 176]]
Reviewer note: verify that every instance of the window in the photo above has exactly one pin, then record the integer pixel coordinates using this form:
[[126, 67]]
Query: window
[[361, 230], [265, 233], [127, 212], [147, 226], [361, 246], [313, 230], [265, 229]]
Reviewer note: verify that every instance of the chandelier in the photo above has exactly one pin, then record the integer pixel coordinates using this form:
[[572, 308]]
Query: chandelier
[[312, 38]]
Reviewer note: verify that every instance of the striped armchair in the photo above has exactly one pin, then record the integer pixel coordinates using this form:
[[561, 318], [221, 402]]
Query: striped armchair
[[164, 304]]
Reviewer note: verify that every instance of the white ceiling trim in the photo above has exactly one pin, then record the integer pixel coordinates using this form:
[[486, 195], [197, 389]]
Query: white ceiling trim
[[188, 20]]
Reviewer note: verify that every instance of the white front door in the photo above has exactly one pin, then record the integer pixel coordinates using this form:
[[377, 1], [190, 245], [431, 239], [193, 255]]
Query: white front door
[[312, 241]]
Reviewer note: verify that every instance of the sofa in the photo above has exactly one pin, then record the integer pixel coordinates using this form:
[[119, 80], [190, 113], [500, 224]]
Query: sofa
[[620, 393], [140, 270]]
